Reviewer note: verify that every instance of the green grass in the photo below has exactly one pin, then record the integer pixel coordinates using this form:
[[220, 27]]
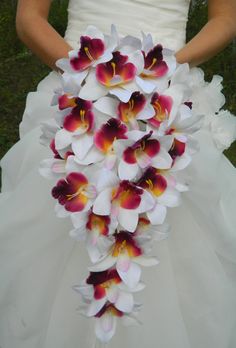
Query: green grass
[[20, 71]]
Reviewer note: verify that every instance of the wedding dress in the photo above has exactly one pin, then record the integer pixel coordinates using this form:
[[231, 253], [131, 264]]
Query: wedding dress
[[190, 297]]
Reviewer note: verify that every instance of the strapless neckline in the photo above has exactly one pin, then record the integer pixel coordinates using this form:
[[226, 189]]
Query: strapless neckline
[[165, 20]]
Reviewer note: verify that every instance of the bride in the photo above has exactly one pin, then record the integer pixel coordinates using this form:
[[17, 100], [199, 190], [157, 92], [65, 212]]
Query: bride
[[190, 298]]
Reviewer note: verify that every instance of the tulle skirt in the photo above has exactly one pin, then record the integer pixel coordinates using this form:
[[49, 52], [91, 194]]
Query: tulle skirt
[[190, 297]]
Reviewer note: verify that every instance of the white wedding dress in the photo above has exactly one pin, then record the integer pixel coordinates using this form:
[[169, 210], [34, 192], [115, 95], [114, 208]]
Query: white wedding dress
[[190, 297]]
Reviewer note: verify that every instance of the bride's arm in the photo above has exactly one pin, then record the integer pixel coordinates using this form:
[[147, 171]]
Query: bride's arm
[[214, 36], [37, 34]]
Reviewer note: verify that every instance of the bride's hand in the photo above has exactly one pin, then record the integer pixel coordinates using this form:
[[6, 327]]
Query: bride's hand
[[34, 30], [214, 36]]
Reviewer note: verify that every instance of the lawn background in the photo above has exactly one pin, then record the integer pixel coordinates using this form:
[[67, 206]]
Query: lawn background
[[20, 70]]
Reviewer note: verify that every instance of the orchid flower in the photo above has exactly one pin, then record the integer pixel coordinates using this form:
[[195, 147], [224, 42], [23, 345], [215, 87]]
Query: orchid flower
[[56, 167], [136, 108], [104, 139], [125, 202], [106, 286], [48, 131], [112, 77], [74, 193], [94, 230], [181, 127], [140, 151], [159, 65], [146, 233], [93, 51], [165, 196], [127, 256], [106, 321], [77, 129]]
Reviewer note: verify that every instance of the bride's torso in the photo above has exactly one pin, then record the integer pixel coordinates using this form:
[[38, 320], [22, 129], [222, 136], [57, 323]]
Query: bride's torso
[[165, 19]]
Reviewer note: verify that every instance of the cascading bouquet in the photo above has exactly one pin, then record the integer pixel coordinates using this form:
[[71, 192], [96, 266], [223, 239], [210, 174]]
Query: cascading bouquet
[[121, 136]]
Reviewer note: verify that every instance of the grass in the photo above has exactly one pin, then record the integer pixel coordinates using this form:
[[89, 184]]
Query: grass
[[20, 71]]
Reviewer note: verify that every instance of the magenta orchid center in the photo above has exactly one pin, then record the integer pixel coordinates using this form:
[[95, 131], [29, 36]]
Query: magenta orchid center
[[74, 192], [152, 181], [108, 133], [115, 72], [162, 105], [154, 65], [130, 110], [90, 51], [81, 118], [127, 195], [145, 145]]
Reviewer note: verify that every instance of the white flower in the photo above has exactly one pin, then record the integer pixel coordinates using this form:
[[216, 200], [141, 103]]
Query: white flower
[[223, 127], [95, 231]]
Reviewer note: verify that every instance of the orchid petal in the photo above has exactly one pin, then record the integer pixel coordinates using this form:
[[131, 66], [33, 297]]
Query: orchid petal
[[112, 294], [162, 160], [102, 204], [146, 86], [95, 307], [104, 58], [110, 161], [157, 215], [140, 286], [105, 327], [129, 320], [79, 219], [170, 198], [63, 138], [128, 219], [146, 261], [93, 251], [132, 277], [128, 44], [94, 33], [60, 211], [71, 165], [85, 290], [121, 93], [137, 59], [106, 178], [81, 145], [107, 105], [146, 113], [92, 156], [47, 168], [181, 162], [64, 64], [127, 171], [125, 302], [144, 160], [147, 202], [103, 265], [147, 42], [123, 262], [92, 90]]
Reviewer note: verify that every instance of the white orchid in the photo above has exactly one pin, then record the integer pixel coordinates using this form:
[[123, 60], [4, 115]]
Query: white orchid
[[126, 255], [106, 286], [158, 66], [124, 201], [137, 108], [94, 230], [140, 151], [94, 49]]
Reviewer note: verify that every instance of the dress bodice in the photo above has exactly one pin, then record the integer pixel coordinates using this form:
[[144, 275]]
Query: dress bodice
[[164, 19]]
